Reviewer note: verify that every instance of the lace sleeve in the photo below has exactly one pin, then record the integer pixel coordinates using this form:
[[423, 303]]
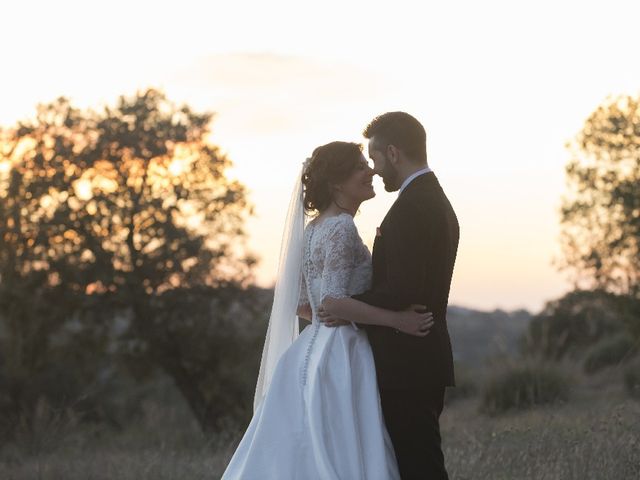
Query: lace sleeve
[[339, 258], [303, 297]]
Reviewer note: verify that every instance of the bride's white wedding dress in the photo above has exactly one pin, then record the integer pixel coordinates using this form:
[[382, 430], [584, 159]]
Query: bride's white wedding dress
[[321, 417]]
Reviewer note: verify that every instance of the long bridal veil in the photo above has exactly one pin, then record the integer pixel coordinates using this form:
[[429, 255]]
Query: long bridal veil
[[283, 323]]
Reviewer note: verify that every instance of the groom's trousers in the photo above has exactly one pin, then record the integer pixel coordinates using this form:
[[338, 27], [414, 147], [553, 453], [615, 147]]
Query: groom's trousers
[[412, 419]]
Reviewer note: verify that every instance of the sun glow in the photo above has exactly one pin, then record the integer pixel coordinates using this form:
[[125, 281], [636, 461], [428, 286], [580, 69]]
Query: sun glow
[[177, 167], [498, 99], [83, 189]]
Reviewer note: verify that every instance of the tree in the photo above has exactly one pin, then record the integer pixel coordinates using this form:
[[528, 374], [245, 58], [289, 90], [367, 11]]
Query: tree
[[601, 213], [571, 324], [108, 211]]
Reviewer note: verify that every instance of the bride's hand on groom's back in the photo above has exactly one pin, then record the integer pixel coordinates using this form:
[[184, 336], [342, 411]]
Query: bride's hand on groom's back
[[414, 320]]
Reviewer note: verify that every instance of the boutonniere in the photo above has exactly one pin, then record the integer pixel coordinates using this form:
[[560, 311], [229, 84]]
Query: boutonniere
[[378, 232]]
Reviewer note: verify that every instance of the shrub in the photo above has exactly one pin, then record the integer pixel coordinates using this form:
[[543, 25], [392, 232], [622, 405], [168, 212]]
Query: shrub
[[466, 385], [523, 386], [609, 351]]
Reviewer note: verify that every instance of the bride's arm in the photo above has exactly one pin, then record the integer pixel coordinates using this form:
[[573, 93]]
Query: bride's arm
[[304, 311], [338, 269], [408, 321]]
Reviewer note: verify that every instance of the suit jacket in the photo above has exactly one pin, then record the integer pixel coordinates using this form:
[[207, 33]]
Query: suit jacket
[[413, 258]]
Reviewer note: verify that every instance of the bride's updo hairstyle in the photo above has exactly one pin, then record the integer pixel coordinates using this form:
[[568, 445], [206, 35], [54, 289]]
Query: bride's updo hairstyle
[[329, 165]]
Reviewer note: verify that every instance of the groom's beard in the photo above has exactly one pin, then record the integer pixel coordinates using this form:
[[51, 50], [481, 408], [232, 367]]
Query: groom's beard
[[390, 177]]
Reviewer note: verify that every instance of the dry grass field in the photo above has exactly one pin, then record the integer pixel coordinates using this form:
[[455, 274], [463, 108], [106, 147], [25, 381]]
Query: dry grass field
[[595, 435]]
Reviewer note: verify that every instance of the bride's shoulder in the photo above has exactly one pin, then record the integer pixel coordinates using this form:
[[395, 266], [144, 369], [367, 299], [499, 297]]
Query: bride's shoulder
[[342, 221], [342, 225], [338, 224]]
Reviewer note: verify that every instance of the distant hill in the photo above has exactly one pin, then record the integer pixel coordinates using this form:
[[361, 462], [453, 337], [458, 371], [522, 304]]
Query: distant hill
[[477, 335]]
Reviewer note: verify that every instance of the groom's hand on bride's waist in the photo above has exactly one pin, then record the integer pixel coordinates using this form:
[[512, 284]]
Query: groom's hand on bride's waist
[[330, 320]]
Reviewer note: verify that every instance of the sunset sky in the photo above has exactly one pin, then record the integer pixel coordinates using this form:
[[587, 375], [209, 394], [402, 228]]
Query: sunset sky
[[500, 86]]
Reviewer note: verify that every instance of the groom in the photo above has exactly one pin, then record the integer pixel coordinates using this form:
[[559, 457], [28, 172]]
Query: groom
[[413, 257]]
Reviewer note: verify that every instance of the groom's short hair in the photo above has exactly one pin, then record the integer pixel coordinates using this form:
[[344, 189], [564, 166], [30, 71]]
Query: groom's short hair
[[402, 130]]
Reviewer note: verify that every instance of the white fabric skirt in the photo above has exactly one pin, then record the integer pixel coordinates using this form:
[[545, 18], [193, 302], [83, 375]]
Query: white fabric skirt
[[321, 418]]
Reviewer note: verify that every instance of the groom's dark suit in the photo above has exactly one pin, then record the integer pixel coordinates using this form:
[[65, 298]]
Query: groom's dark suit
[[413, 257]]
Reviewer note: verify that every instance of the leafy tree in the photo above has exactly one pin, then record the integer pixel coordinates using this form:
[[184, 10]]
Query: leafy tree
[[108, 214], [601, 213], [600, 230]]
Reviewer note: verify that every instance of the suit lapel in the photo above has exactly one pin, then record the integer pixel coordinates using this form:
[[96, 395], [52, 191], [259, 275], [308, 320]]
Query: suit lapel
[[426, 181]]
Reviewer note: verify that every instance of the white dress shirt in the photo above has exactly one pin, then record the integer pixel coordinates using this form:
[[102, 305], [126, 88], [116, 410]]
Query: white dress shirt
[[411, 177]]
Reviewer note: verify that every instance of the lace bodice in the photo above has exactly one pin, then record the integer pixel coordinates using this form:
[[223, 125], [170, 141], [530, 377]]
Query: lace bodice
[[336, 263]]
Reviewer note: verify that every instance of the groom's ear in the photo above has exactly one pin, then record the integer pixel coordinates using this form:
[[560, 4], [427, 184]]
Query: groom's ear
[[393, 154]]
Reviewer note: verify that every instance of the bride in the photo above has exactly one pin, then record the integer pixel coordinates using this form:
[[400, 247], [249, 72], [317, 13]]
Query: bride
[[317, 413]]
